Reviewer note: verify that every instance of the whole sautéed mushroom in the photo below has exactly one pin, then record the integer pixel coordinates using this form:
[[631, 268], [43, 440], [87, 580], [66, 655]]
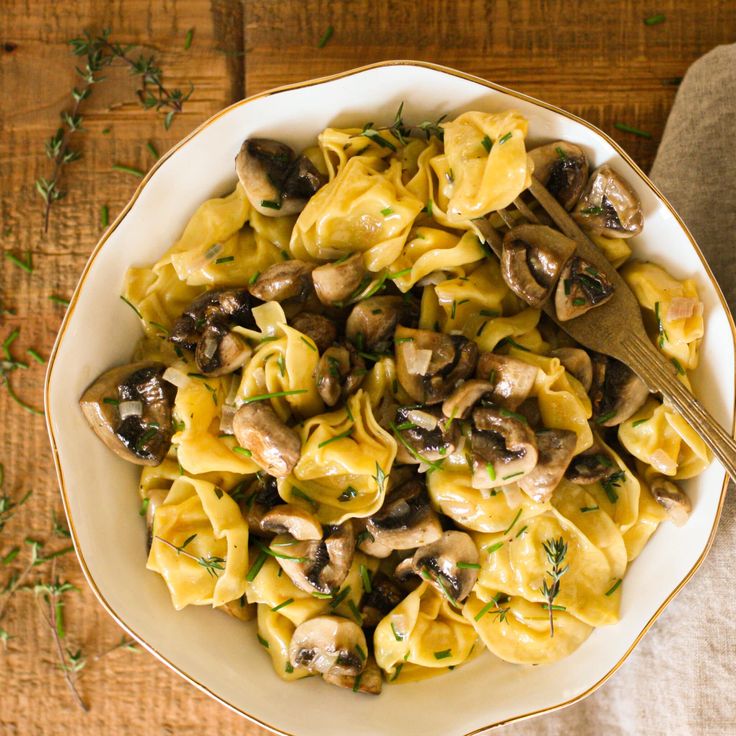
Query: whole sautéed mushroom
[[363, 424]]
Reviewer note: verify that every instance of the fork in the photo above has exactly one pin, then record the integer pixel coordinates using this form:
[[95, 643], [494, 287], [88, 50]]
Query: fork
[[616, 328]]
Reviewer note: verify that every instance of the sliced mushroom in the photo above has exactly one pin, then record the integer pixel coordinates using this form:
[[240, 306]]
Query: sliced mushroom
[[591, 466], [461, 401], [556, 448], [317, 565], [329, 645], [429, 365], [383, 597], [286, 518], [261, 496], [406, 520], [205, 328], [563, 168], [608, 206], [274, 181], [368, 681], [284, 280], [581, 287], [672, 498], [512, 379], [532, 260], [616, 393], [340, 372], [129, 408], [503, 445], [275, 447], [576, 362], [425, 434], [338, 281], [372, 322], [319, 328], [449, 564]]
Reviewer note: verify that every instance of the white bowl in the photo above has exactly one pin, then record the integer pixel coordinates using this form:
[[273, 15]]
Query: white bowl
[[222, 656]]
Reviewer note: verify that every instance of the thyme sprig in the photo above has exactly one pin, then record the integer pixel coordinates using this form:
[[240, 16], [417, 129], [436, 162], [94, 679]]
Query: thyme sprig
[[403, 132], [556, 551], [212, 564]]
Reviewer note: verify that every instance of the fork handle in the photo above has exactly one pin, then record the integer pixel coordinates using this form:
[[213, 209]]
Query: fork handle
[[659, 375]]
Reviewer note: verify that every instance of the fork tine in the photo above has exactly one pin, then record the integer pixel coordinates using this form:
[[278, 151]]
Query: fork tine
[[525, 211], [507, 218], [559, 215]]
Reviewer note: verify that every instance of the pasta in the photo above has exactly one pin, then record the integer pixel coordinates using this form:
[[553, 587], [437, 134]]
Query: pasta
[[360, 428]]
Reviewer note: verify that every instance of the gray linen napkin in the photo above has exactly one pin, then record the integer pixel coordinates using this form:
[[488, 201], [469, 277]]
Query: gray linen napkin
[[681, 679]]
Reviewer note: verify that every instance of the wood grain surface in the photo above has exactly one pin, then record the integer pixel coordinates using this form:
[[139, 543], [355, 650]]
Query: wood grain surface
[[597, 59]]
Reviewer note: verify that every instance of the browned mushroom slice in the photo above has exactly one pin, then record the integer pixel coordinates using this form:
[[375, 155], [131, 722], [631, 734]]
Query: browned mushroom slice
[[581, 287], [556, 448], [450, 564], [321, 329], [317, 565], [274, 446], [672, 498], [284, 280], [205, 328], [329, 645], [563, 168], [383, 597], [503, 445], [286, 518], [425, 434], [616, 393], [406, 520], [259, 498], [336, 282], [512, 379], [576, 362], [532, 259], [368, 681], [372, 322], [608, 206], [273, 180], [129, 408], [591, 466], [462, 400], [429, 365], [340, 372]]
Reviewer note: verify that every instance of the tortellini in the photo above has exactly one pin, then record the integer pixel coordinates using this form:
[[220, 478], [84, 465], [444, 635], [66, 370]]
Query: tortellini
[[200, 544], [346, 456], [423, 636]]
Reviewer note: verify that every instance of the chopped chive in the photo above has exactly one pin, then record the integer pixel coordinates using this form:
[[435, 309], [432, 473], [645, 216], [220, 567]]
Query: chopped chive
[[444, 654], [159, 326], [504, 138], [270, 204], [256, 566], [287, 602], [128, 170], [274, 395], [300, 494], [340, 597], [553, 607], [678, 366], [491, 471], [224, 259], [354, 610], [468, 565], [486, 143], [400, 340], [578, 302], [604, 417], [398, 669], [397, 636], [132, 306], [429, 207], [326, 36], [588, 509], [25, 265], [639, 422], [104, 215], [254, 278], [614, 587], [494, 547], [483, 611], [262, 641], [386, 211], [242, 451], [59, 300], [398, 274], [514, 415], [288, 668], [337, 437], [145, 503], [654, 20], [365, 575], [188, 39], [511, 526], [560, 153], [356, 683], [630, 129], [512, 475], [521, 531], [489, 313], [152, 150], [308, 344], [111, 401]]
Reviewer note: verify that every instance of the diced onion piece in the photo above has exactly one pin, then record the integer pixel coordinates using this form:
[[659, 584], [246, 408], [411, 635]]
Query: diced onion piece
[[130, 409], [417, 361], [662, 462], [422, 419], [210, 346], [682, 307], [226, 418], [176, 377]]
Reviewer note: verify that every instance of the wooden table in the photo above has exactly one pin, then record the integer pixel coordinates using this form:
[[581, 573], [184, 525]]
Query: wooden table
[[597, 59]]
